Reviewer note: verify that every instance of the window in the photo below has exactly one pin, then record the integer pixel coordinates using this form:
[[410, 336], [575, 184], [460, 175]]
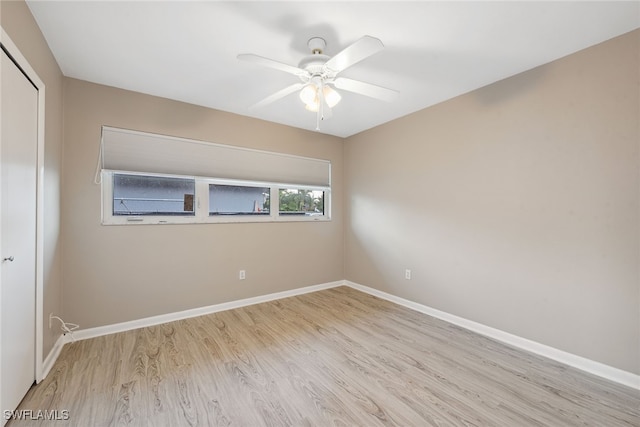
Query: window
[[301, 202], [157, 179], [238, 200], [142, 198], [152, 195]]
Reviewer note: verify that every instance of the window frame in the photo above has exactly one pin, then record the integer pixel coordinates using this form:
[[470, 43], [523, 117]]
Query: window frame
[[201, 202]]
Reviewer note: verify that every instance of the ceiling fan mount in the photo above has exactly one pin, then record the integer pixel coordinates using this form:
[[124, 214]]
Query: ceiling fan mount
[[316, 44], [318, 74]]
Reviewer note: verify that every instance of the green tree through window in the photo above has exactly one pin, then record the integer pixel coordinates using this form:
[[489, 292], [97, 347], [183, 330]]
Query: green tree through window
[[295, 201]]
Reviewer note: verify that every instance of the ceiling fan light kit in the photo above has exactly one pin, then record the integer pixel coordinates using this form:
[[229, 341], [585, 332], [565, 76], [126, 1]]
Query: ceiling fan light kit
[[313, 94], [318, 73]]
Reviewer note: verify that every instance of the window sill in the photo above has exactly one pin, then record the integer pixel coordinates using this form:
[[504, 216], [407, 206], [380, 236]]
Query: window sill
[[217, 219]]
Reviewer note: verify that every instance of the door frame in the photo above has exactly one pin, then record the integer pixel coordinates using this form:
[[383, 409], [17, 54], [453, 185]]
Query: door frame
[[12, 50]]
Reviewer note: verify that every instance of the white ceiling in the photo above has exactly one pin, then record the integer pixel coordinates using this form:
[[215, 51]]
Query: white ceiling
[[434, 50]]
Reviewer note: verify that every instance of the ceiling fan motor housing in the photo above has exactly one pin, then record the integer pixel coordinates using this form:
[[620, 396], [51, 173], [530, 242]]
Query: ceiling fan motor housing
[[314, 63]]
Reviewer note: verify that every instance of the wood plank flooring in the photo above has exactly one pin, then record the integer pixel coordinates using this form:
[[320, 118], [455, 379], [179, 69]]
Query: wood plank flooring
[[337, 357]]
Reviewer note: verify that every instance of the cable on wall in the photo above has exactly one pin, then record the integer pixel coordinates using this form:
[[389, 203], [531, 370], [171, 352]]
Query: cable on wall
[[66, 327]]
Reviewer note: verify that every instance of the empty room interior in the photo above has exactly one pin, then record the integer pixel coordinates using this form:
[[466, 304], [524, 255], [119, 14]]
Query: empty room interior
[[320, 213]]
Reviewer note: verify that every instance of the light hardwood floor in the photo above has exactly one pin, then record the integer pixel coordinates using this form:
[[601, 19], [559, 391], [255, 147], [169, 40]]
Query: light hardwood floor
[[335, 357]]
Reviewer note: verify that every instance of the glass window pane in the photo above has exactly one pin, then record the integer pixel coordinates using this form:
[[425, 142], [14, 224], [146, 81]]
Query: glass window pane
[[152, 195], [238, 200], [301, 202]]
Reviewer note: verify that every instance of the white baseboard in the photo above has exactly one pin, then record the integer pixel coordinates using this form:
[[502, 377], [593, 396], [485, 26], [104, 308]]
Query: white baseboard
[[83, 334], [605, 371], [51, 358], [600, 369]]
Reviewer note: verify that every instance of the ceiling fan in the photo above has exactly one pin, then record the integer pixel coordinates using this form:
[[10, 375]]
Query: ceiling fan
[[318, 74]]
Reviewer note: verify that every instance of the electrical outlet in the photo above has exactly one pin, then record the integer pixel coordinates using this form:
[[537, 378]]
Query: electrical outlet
[[242, 275], [407, 274]]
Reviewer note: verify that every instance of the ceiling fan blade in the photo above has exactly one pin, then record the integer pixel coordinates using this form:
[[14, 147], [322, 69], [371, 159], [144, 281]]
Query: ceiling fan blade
[[361, 49], [279, 94], [266, 62], [366, 89]]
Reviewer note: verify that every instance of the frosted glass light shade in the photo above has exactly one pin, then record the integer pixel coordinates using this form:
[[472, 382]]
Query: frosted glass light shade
[[309, 95], [331, 96]]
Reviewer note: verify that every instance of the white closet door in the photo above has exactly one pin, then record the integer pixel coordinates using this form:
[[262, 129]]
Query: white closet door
[[18, 164]]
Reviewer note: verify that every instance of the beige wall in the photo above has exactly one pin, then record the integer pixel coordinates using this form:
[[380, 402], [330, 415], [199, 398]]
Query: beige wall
[[121, 273], [18, 23], [515, 206]]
